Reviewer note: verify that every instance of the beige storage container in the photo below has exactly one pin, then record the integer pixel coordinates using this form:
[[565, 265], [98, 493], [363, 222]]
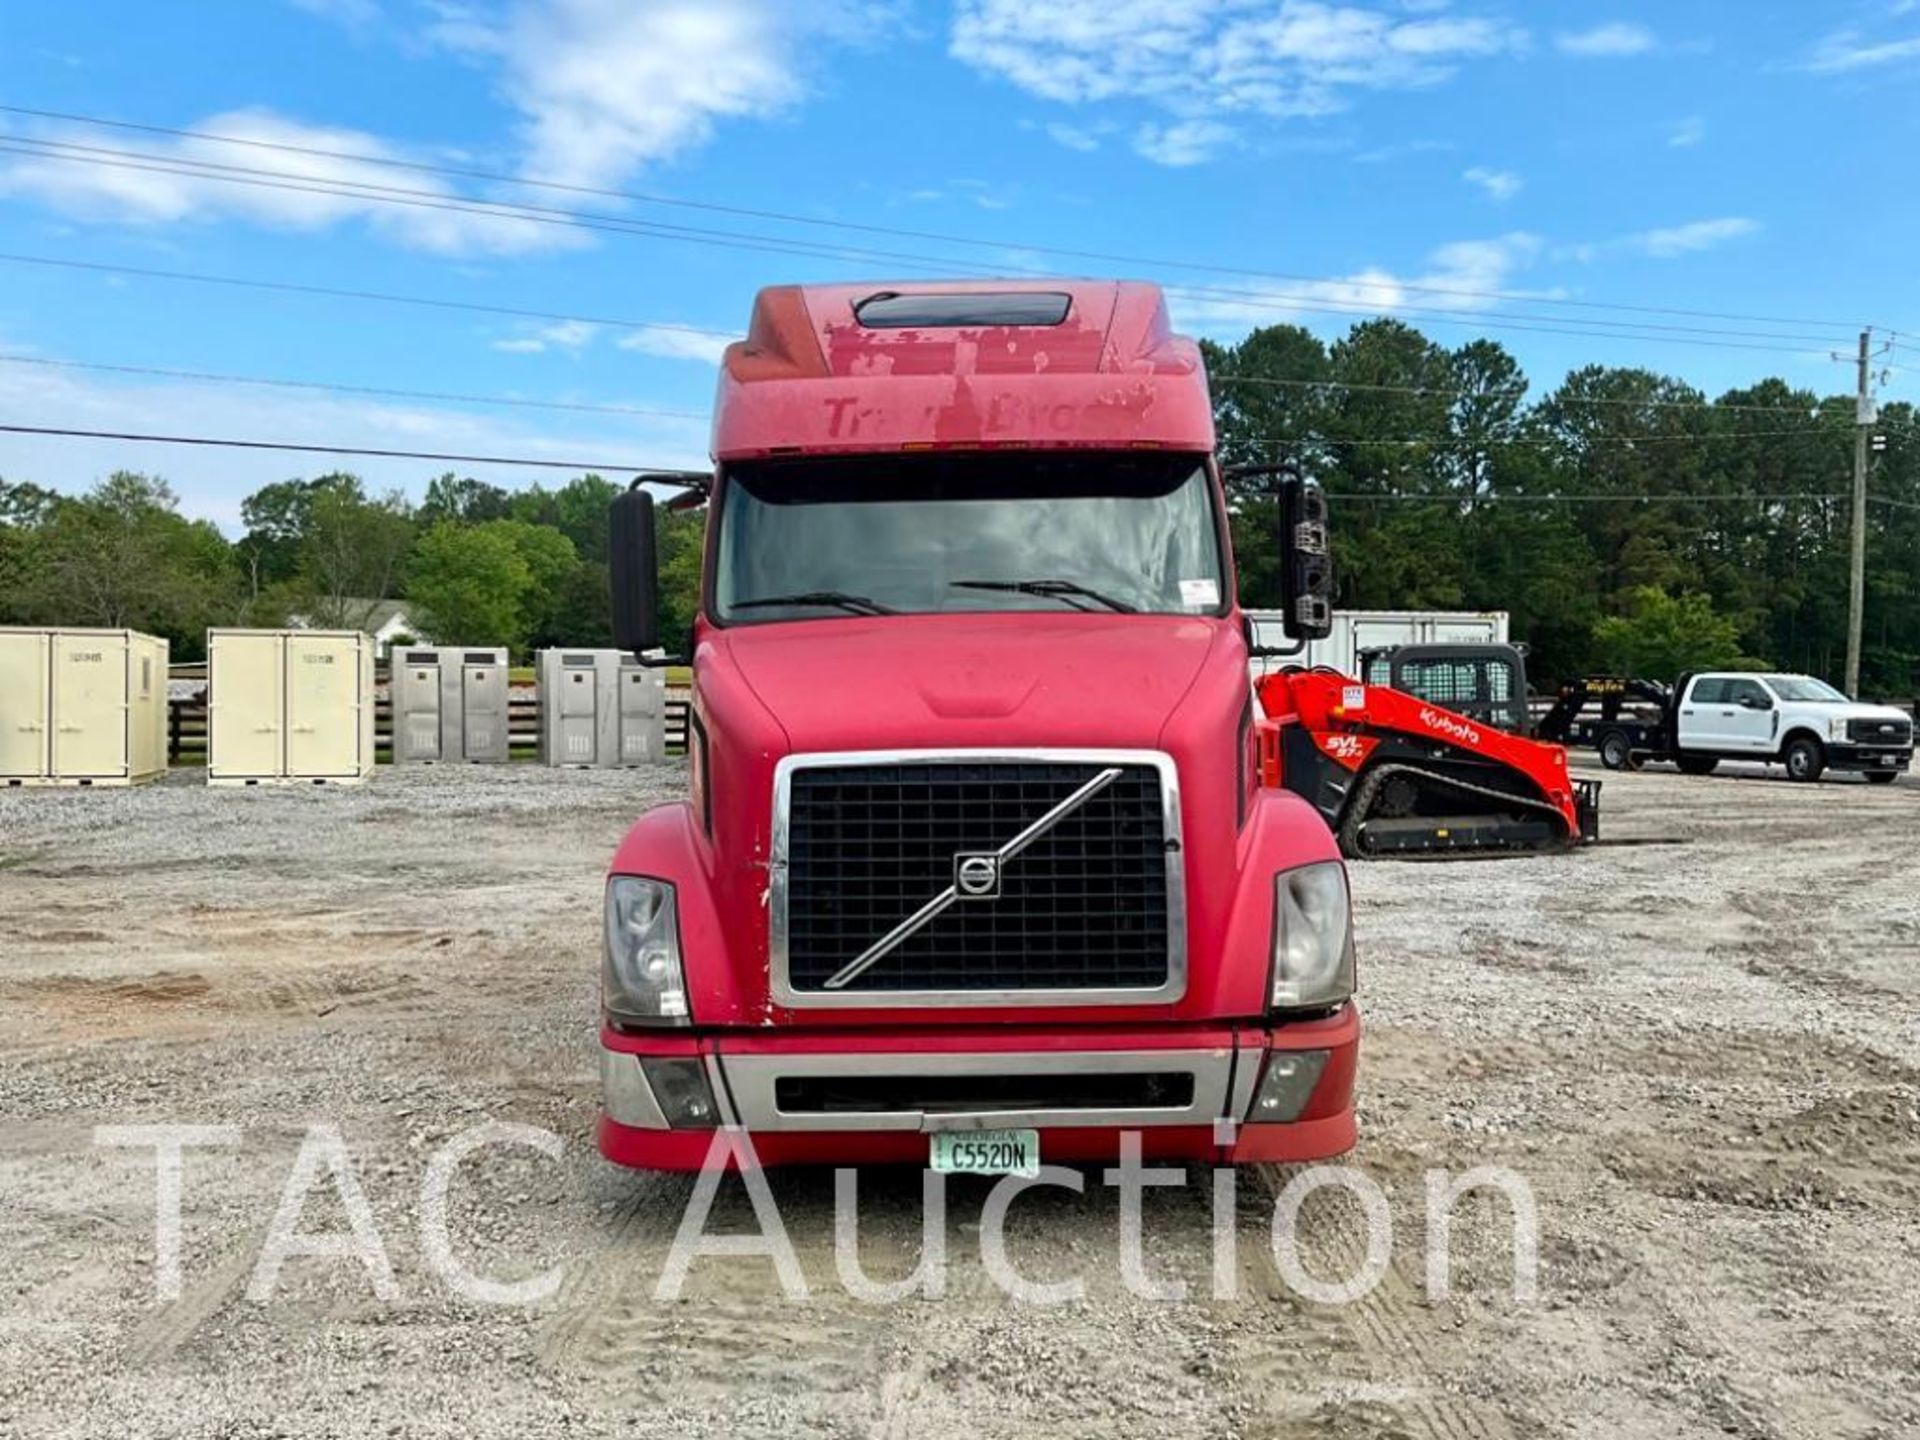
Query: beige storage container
[[289, 707], [82, 707]]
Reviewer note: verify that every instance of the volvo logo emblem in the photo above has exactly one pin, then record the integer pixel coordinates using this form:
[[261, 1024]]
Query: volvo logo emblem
[[976, 876]]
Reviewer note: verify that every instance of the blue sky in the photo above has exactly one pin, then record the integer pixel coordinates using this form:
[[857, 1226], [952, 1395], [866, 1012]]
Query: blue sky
[[1741, 157]]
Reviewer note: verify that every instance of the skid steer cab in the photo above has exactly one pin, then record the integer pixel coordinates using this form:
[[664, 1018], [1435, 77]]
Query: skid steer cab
[[1424, 755]]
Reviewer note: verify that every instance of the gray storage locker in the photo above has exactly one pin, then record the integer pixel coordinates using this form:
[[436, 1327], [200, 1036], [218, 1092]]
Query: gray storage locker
[[449, 705], [600, 708]]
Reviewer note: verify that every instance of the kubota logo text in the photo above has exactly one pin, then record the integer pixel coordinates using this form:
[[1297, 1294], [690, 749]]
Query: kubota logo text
[[1453, 725]]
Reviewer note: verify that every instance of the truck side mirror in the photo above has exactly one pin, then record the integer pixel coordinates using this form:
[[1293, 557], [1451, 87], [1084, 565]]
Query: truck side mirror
[[634, 569], [1306, 560]]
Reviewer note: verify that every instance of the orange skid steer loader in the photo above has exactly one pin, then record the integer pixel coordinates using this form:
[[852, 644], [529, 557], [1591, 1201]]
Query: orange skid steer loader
[[1394, 773]]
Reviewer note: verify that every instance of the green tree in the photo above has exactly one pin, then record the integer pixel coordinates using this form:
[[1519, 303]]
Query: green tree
[[463, 500], [492, 584], [469, 583], [1661, 635], [680, 538], [351, 553], [552, 567], [122, 556]]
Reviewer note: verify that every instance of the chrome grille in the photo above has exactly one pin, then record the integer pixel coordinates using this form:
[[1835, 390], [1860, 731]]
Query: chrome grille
[[1088, 905]]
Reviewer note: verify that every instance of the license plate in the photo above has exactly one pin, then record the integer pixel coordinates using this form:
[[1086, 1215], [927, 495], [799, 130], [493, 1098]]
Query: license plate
[[987, 1152]]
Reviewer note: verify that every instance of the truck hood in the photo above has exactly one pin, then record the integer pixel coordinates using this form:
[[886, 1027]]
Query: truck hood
[[1861, 710], [934, 681]]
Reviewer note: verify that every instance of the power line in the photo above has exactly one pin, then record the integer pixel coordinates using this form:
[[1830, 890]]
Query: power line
[[1275, 301], [1661, 498], [439, 200], [376, 296], [518, 461], [1441, 392], [635, 197], [1454, 442], [336, 388], [600, 467]]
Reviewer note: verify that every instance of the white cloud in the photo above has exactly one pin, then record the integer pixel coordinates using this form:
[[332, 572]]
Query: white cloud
[[351, 13], [1669, 242], [1381, 154], [1460, 277], [1074, 137], [601, 88], [152, 182], [1687, 133], [605, 87], [1186, 142], [1607, 42], [1500, 185], [1694, 236], [1846, 50], [1210, 61], [569, 335], [677, 345]]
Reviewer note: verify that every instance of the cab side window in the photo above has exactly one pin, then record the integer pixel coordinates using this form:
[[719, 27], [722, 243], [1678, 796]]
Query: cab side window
[[1709, 691], [1750, 693]]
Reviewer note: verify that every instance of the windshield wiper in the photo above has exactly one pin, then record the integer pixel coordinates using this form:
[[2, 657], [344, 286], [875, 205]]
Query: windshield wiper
[[834, 599], [1067, 590]]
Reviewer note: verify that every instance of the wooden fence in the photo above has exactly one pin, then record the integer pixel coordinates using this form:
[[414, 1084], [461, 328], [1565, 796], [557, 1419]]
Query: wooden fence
[[187, 725]]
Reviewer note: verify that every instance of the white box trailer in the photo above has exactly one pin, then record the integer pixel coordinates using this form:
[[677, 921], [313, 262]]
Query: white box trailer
[[601, 709], [289, 707], [449, 705], [1358, 630], [82, 707]]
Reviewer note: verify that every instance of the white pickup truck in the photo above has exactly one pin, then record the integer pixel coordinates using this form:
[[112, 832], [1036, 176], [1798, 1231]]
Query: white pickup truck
[[1792, 720]]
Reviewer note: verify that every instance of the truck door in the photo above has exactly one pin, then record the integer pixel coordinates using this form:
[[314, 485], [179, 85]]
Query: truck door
[[1752, 717], [23, 706], [323, 706], [89, 705], [416, 721], [1706, 715]]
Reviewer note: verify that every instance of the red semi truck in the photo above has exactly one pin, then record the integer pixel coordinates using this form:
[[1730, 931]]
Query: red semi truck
[[976, 870]]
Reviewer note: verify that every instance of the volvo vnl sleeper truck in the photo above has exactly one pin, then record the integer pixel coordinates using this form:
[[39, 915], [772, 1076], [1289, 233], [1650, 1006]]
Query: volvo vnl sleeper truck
[[976, 870]]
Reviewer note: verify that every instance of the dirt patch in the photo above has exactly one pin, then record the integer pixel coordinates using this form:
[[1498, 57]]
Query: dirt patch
[[1703, 1060]]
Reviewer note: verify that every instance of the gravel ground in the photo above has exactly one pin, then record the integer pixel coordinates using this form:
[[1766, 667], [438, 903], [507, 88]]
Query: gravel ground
[[1703, 1056]]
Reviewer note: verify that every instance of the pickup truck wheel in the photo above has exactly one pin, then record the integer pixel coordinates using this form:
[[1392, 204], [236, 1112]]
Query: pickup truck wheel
[[1698, 764], [1616, 751], [1882, 777], [1804, 758]]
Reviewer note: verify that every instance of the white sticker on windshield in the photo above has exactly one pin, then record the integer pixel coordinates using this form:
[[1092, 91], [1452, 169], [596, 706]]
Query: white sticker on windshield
[[1199, 594]]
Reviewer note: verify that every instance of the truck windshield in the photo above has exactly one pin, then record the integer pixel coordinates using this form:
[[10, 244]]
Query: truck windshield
[[1802, 687], [928, 533]]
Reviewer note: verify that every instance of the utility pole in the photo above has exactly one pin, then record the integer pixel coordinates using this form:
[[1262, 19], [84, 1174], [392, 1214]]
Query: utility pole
[[1863, 418]]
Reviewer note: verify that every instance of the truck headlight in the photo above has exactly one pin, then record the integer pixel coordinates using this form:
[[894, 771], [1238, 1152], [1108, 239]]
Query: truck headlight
[[641, 978], [1312, 937], [1836, 728]]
